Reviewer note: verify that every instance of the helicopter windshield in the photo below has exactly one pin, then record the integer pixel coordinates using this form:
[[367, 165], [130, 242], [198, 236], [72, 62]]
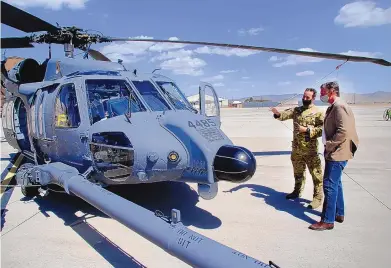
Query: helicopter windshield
[[175, 96], [109, 98]]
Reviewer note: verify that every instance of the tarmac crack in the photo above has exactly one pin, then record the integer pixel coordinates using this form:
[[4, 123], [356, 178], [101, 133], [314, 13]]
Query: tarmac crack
[[21, 223], [367, 191]]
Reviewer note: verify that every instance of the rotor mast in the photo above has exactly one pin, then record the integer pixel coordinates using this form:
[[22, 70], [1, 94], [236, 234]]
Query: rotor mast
[[69, 50]]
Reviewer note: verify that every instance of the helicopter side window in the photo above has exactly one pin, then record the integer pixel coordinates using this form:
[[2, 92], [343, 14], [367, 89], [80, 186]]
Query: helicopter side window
[[175, 95], [66, 108], [151, 96], [109, 98]]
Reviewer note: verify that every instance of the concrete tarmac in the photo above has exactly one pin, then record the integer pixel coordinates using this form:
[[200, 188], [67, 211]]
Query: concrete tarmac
[[253, 217]]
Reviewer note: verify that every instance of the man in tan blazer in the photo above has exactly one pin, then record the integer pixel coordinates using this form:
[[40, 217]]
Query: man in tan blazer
[[340, 142]]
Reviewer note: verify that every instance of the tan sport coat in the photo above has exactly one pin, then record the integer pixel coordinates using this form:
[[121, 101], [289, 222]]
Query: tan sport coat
[[340, 132]]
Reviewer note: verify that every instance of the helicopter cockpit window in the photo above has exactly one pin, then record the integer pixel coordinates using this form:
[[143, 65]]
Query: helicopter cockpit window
[[66, 108], [151, 96], [175, 96], [109, 98]]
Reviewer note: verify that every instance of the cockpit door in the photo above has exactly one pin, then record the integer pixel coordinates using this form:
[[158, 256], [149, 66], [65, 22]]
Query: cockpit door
[[209, 102]]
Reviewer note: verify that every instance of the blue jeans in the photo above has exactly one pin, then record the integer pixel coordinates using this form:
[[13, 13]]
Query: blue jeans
[[333, 204]]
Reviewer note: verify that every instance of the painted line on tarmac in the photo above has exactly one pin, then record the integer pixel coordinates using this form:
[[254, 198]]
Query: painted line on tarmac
[[8, 167], [6, 178], [11, 174]]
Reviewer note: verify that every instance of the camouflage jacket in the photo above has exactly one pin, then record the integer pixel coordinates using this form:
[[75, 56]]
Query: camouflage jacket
[[312, 118]]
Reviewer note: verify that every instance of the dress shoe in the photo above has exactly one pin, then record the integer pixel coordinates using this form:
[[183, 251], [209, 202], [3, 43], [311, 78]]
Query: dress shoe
[[339, 219], [321, 226]]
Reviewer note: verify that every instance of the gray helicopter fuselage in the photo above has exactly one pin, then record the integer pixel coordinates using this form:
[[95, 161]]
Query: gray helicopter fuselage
[[130, 128]]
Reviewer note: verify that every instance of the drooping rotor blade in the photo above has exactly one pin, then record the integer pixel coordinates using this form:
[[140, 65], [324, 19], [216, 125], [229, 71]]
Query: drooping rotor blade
[[97, 55], [15, 42], [277, 50], [22, 20]]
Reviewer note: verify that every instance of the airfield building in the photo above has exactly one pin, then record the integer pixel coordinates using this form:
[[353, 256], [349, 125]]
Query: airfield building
[[195, 100]]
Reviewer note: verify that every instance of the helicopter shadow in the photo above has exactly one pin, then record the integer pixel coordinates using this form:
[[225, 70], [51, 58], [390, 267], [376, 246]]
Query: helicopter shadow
[[65, 206], [279, 202], [165, 196], [270, 153]]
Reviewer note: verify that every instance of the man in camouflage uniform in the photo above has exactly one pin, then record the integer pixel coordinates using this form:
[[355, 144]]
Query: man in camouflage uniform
[[308, 123]]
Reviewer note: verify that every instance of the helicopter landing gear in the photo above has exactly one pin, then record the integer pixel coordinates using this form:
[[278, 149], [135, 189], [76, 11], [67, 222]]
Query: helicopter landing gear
[[23, 177], [208, 191]]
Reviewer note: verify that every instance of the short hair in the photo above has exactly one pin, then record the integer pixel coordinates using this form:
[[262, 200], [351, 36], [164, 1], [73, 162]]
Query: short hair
[[331, 85], [313, 90]]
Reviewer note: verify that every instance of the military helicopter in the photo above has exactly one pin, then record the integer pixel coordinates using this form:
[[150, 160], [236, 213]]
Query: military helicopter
[[114, 125]]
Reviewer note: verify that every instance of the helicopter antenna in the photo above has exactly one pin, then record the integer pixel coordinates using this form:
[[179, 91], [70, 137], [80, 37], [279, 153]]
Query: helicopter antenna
[[120, 62]]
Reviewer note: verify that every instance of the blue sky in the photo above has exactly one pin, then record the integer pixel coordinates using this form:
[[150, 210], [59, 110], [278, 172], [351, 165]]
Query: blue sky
[[361, 28]]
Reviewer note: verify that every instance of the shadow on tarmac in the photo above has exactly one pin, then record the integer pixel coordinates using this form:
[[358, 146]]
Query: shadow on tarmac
[[162, 196], [165, 196], [277, 200], [65, 206]]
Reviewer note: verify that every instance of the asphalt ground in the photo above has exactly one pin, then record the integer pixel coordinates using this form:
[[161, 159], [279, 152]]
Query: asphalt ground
[[255, 218]]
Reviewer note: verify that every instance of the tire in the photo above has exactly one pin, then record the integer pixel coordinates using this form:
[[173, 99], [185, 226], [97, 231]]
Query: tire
[[28, 191]]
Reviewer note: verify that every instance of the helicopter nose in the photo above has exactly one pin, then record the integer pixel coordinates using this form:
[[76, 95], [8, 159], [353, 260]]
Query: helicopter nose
[[235, 164]]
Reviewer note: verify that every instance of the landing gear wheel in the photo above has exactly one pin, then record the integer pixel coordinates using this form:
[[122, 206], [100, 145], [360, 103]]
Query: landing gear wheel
[[27, 189]]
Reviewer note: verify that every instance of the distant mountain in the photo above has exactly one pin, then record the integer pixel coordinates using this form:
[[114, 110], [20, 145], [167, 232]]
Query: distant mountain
[[378, 96], [275, 98], [375, 97]]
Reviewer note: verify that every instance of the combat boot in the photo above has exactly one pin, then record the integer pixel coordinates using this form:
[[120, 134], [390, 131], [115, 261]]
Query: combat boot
[[316, 201], [294, 194]]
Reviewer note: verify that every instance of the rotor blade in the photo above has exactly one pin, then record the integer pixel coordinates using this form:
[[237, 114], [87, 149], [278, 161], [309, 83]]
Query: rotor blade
[[22, 20], [277, 50], [15, 42], [97, 55]]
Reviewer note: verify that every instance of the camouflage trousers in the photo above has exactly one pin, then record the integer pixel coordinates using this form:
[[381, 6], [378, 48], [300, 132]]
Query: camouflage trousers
[[311, 159]]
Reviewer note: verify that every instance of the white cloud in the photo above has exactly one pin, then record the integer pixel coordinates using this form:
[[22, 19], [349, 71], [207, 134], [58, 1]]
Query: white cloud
[[274, 58], [214, 78], [228, 71], [51, 4], [225, 51], [173, 54], [159, 47], [218, 85], [362, 54], [245, 77], [305, 73], [251, 31], [127, 51], [185, 65], [295, 60], [362, 14], [284, 83]]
